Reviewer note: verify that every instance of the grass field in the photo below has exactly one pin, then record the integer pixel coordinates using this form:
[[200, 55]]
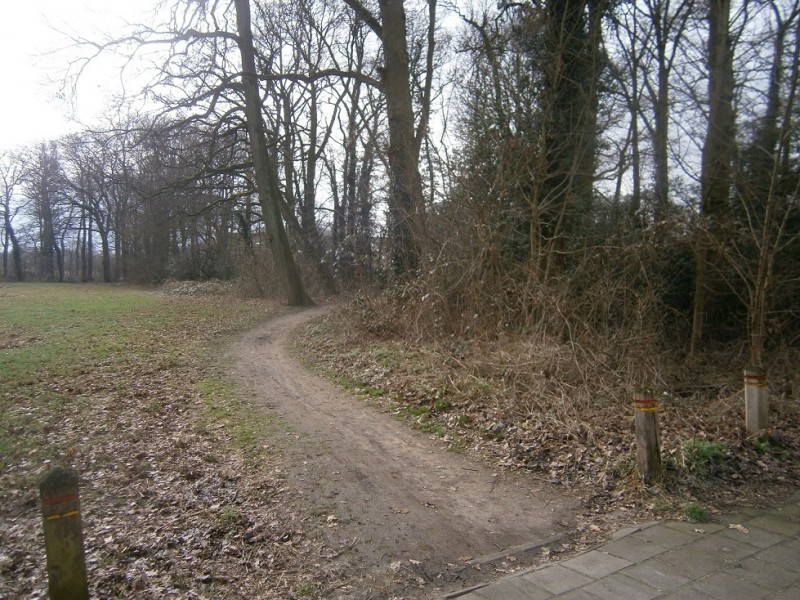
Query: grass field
[[128, 387], [66, 348]]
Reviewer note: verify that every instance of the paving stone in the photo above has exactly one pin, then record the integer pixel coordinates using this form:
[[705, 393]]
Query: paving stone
[[756, 537], [579, 594], [724, 586], [471, 596], [664, 537], [742, 513], [767, 575], [775, 524], [633, 549], [737, 517], [692, 528], [786, 555], [792, 507], [620, 586], [695, 564], [632, 529], [792, 593], [596, 563], [657, 574], [728, 547], [792, 510], [557, 578], [511, 588], [670, 560], [688, 593]]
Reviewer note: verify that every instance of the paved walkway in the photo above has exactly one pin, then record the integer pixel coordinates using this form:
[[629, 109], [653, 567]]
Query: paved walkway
[[749, 554]]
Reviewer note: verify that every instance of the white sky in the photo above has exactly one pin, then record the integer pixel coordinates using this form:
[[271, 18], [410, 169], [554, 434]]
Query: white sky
[[30, 109]]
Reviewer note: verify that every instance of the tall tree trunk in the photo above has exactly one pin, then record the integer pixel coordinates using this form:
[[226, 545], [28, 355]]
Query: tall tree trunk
[[308, 215], [572, 72], [90, 251], [16, 251], [661, 112], [408, 205], [718, 152], [80, 247], [407, 225], [59, 254], [5, 254], [265, 168], [661, 136], [106, 253], [47, 242]]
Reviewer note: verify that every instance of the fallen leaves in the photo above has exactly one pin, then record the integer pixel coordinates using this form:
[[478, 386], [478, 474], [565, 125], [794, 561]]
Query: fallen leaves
[[173, 505], [529, 405]]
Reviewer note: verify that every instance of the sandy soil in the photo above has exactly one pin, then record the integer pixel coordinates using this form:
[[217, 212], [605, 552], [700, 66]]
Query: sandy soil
[[395, 499]]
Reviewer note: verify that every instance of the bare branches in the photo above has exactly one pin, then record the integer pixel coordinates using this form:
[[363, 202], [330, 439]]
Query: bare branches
[[366, 16], [321, 75]]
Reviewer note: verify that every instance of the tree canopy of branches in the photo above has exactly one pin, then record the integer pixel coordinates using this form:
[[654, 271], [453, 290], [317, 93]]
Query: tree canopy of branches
[[580, 164]]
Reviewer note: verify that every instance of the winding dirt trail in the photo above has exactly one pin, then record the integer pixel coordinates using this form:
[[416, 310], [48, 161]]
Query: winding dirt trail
[[398, 496]]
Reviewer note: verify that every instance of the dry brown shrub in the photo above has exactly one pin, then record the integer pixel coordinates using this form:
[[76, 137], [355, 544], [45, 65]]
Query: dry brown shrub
[[255, 273]]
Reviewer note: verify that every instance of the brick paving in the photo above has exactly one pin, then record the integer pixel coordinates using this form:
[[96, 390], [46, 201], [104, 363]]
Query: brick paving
[[757, 558]]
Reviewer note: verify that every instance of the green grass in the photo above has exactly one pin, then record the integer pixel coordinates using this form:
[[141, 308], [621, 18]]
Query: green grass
[[390, 357], [353, 385], [696, 513], [249, 432], [701, 458], [64, 347]]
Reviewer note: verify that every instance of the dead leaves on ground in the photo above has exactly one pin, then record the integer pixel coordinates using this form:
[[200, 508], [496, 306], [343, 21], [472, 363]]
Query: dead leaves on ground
[[538, 410], [171, 506]]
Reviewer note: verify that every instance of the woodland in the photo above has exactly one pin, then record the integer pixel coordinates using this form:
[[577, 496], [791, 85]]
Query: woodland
[[617, 176], [519, 212]]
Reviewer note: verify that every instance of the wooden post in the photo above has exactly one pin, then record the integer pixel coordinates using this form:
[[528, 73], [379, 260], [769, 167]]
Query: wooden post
[[756, 399], [647, 436], [63, 538]]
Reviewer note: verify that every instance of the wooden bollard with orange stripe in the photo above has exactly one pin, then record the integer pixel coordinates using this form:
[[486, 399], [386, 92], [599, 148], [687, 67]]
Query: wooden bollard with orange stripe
[[63, 536], [756, 399], [648, 439]]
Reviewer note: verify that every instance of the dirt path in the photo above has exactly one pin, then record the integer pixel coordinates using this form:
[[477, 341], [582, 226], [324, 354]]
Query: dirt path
[[397, 499]]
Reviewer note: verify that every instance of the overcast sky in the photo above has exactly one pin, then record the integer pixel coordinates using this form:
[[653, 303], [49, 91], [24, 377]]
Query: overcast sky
[[30, 109]]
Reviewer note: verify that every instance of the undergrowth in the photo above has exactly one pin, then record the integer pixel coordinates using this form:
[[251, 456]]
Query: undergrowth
[[532, 383]]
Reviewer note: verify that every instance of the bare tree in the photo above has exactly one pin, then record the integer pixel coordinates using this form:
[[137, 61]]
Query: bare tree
[[11, 175], [718, 154], [269, 192], [90, 161], [44, 186], [767, 189], [407, 206]]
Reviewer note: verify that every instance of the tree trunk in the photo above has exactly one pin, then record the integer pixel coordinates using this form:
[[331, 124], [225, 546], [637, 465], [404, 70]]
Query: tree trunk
[[5, 254], [106, 250], [407, 209], [90, 250], [661, 136], [572, 72], [16, 251], [406, 201], [718, 152], [265, 168]]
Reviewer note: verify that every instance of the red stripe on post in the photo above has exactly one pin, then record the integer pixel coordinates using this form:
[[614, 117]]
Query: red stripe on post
[[59, 499], [645, 405]]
